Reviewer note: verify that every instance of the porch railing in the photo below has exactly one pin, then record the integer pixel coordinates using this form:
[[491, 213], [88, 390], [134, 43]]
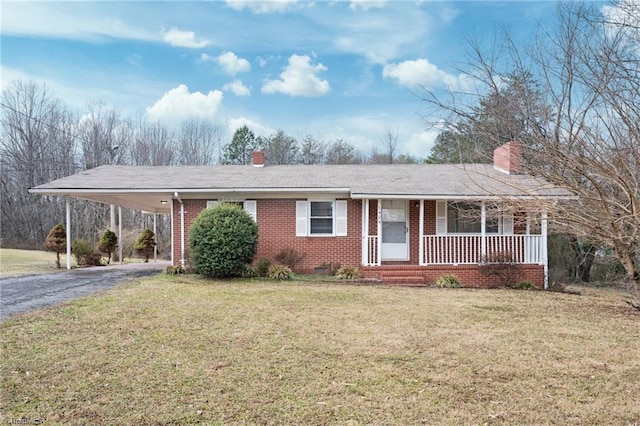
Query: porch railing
[[372, 251], [468, 249]]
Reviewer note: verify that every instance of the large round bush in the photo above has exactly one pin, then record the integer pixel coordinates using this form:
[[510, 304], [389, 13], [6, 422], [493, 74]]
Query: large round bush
[[222, 241]]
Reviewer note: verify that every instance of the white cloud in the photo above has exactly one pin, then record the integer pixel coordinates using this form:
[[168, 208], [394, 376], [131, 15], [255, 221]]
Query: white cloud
[[412, 73], [179, 38], [257, 128], [367, 4], [231, 64], [299, 78], [237, 87], [86, 21], [266, 6], [178, 104]]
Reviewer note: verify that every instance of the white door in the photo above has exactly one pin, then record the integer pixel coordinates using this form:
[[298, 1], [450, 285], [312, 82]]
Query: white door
[[395, 230]]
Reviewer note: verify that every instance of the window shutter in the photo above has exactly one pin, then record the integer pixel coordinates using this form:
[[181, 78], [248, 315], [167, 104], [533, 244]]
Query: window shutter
[[251, 208], [301, 219], [212, 203], [507, 224], [341, 218], [441, 217]]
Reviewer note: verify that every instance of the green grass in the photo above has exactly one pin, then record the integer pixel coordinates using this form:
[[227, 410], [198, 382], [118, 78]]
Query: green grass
[[181, 350], [23, 262]]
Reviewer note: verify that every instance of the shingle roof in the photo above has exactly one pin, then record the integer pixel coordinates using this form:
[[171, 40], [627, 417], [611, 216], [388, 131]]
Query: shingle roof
[[359, 181]]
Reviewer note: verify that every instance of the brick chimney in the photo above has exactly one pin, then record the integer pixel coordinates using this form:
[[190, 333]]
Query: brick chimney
[[508, 158], [258, 159]]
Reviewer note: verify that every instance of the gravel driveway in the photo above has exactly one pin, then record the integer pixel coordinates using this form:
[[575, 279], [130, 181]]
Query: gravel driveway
[[22, 294]]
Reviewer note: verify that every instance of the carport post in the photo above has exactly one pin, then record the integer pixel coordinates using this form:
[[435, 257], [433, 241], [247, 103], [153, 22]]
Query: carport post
[[120, 234], [68, 229], [155, 234]]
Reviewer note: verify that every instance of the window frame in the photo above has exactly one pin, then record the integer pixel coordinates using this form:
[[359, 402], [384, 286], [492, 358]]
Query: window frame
[[338, 217]]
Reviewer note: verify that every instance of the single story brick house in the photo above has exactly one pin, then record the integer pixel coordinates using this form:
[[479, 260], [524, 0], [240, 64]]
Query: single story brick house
[[399, 223]]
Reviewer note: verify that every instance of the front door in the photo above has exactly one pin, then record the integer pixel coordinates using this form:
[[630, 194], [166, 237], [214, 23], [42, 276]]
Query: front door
[[395, 230]]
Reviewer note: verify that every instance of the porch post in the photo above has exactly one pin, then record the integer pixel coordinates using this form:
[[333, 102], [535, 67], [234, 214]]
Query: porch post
[[545, 258], [120, 234], [68, 229], [365, 231], [483, 231], [421, 234], [379, 259]]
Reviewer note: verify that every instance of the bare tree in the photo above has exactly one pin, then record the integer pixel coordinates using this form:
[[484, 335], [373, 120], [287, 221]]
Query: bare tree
[[199, 142], [37, 145], [389, 148], [588, 71], [341, 152], [153, 145], [312, 151]]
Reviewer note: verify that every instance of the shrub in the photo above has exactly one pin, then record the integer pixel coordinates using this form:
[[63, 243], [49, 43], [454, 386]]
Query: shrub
[[145, 243], [280, 272], [289, 257], [108, 243], [81, 249], [525, 285], [222, 241], [448, 281], [348, 273], [501, 266], [174, 270], [262, 267], [56, 241], [93, 259]]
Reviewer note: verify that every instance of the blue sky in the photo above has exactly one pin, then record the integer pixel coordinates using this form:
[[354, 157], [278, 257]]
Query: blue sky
[[338, 69]]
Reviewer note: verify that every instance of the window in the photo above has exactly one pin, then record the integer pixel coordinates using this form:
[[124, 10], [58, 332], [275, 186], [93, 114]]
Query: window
[[466, 218], [321, 218]]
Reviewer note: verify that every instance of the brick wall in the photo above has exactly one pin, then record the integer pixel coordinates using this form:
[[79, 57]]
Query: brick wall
[[277, 230]]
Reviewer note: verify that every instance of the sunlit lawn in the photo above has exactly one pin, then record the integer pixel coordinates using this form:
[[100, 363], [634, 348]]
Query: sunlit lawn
[[180, 350], [24, 262]]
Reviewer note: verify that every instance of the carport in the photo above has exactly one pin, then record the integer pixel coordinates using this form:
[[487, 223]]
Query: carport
[[108, 185]]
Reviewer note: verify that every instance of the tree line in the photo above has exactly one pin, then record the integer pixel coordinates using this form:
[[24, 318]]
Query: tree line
[[41, 140]]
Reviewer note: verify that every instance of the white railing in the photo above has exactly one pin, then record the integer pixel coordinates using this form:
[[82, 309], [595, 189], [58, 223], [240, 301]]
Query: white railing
[[372, 251], [471, 249]]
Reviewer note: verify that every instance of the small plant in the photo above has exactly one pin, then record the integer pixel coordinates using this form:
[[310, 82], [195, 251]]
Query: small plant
[[348, 273], [174, 270], [93, 259], [108, 243], [501, 266], [56, 241], [81, 249], [289, 257], [280, 273], [448, 281], [145, 244], [327, 268], [262, 267], [525, 285]]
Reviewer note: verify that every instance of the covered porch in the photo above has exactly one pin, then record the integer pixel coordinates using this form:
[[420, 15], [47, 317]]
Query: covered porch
[[423, 238]]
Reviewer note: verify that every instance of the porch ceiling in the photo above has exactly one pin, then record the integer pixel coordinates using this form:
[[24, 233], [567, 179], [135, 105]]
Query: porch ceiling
[[146, 202]]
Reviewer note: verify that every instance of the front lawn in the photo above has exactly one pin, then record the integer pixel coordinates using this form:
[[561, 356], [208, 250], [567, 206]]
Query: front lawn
[[181, 350]]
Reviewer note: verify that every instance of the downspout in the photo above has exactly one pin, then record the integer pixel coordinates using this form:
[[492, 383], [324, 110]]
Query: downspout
[[177, 196]]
